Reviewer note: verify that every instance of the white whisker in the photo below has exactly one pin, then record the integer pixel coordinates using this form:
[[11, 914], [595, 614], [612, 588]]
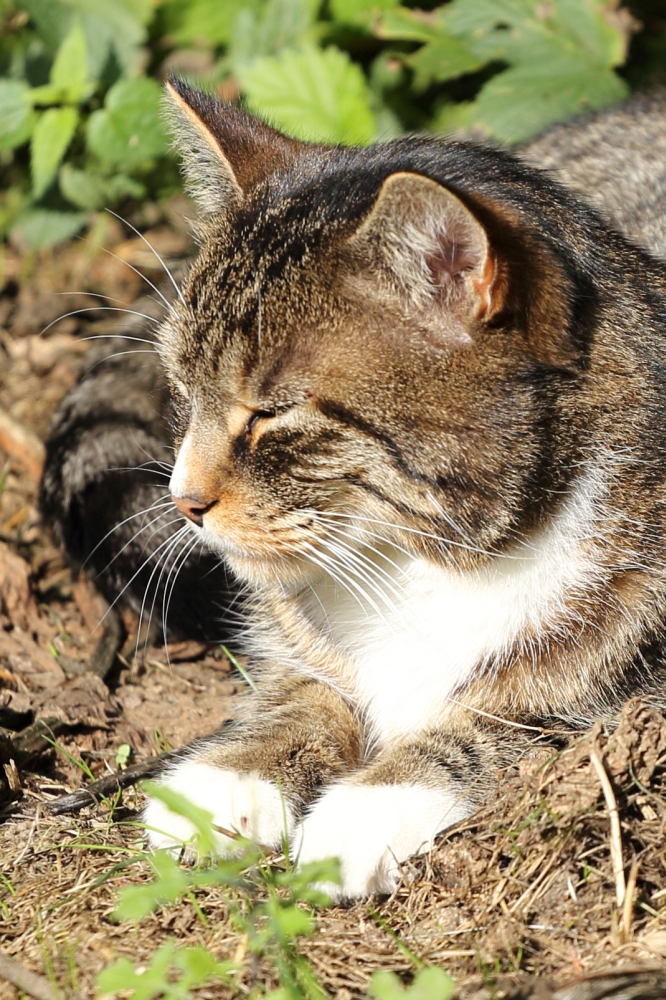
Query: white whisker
[[367, 570], [161, 565], [146, 541], [153, 250], [163, 501], [131, 580], [445, 542], [330, 565], [77, 312], [119, 336], [175, 569], [164, 299]]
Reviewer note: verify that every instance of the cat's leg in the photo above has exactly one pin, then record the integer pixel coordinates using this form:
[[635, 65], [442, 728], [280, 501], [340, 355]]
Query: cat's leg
[[394, 807], [295, 736]]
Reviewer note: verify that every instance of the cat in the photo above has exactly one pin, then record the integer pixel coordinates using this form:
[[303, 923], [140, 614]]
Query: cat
[[420, 413]]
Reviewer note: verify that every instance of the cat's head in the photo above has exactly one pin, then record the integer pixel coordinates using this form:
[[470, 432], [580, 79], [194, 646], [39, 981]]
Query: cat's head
[[369, 344]]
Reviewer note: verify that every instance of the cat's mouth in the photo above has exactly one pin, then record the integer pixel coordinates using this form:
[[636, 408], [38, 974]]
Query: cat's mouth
[[262, 555]]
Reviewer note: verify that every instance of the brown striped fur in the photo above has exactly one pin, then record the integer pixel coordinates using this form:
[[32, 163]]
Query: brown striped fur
[[440, 351]]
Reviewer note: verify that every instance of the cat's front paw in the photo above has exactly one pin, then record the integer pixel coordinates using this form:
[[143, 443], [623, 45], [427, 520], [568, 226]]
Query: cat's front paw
[[240, 803], [371, 829]]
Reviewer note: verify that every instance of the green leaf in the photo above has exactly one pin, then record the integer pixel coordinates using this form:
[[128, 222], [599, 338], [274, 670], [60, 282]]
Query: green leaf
[[454, 116], [401, 23], [196, 964], [281, 24], [312, 94], [45, 95], [92, 190], [17, 119], [12, 205], [605, 38], [201, 819], [289, 922], [444, 59], [528, 31], [136, 901], [430, 983], [123, 754], [309, 882], [522, 101], [208, 20], [127, 132], [51, 137], [50, 17], [360, 13], [40, 227], [144, 985], [69, 72], [118, 25], [561, 56]]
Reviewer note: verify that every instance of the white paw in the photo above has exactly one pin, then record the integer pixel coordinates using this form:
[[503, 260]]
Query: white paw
[[371, 829], [241, 803]]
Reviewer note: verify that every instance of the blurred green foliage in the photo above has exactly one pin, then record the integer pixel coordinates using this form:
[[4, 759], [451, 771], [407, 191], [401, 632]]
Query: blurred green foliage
[[80, 81], [271, 904]]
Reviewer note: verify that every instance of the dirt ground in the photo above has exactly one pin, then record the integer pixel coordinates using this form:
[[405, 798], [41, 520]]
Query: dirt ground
[[562, 876]]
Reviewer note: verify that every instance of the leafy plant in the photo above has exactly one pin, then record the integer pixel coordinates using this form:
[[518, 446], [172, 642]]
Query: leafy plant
[[123, 754], [80, 82], [429, 984], [193, 966], [271, 905], [312, 93]]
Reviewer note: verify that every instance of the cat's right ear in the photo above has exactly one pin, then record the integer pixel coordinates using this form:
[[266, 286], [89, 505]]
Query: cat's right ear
[[225, 152], [423, 244]]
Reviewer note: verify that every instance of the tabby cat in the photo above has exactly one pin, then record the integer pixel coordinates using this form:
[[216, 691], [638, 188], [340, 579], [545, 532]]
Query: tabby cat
[[419, 395]]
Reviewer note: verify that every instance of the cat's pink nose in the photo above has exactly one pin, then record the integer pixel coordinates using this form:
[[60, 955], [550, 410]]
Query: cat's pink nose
[[193, 508]]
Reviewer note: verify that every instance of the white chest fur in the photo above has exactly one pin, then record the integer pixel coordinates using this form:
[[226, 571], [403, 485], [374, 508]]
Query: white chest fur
[[425, 637]]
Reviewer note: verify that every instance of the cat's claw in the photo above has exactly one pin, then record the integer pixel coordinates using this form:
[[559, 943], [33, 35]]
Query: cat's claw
[[240, 803], [372, 829]]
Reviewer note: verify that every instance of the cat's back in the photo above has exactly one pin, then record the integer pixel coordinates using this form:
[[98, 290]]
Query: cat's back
[[616, 160]]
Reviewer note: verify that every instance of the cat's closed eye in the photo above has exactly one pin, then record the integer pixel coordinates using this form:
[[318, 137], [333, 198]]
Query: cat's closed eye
[[259, 417]]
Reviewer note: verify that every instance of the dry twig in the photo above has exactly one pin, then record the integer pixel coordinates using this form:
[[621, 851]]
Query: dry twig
[[628, 908], [108, 785], [24, 979], [615, 832]]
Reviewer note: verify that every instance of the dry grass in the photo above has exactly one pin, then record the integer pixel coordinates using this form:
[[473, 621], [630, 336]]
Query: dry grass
[[526, 887]]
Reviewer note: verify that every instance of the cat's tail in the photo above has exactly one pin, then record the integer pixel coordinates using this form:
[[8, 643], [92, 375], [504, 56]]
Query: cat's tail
[[105, 494]]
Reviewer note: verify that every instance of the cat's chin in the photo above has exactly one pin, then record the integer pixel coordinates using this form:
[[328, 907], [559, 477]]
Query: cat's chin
[[257, 568], [262, 572]]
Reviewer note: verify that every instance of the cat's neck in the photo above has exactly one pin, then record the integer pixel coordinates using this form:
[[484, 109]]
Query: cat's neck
[[401, 635]]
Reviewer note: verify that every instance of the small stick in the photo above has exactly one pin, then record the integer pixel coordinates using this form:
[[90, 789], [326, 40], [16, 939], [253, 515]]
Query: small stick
[[615, 833], [108, 646], [628, 908], [109, 784], [30, 741], [24, 979], [233, 835]]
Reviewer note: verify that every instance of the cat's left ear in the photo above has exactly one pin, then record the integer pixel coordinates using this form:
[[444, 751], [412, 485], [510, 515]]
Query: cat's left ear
[[225, 152], [424, 244]]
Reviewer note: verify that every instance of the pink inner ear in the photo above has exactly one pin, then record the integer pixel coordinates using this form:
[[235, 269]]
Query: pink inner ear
[[462, 269], [449, 261]]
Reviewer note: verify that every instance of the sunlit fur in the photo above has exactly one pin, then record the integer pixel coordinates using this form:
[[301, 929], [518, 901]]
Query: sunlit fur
[[421, 413]]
